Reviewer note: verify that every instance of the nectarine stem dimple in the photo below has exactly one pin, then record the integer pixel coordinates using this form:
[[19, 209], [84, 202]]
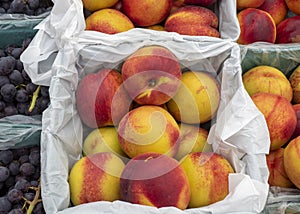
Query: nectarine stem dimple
[[151, 82]]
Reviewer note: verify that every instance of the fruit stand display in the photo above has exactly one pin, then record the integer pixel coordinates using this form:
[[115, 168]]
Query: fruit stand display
[[157, 110]]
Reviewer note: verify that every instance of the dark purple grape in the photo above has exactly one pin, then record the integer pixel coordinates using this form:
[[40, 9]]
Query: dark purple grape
[[6, 5], [24, 159], [15, 77], [34, 157], [29, 11], [34, 183], [16, 52], [25, 43], [17, 206], [14, 168], [10, 48], [42, 103], [2, 105], [23, 108], [6, 156], [22, 96], [38, 208], [5, 205], [1, 186], [8, 90], [25, 76], [2, 10], [22, 185], [29, 196], [27, 169], [4, 173], [33, 4], [14, 196], [16, 211], [37, 174], [10, 181], [10, 110], [20, 152], [4, 80], [40, 11], [2, 53], [7, 65], [45, 91], [19, 65], [30, 88], [18, 6]]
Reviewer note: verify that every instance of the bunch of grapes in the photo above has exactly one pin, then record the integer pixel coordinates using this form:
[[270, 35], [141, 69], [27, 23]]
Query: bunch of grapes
[[18, 95], [28, 7], [20, 181]]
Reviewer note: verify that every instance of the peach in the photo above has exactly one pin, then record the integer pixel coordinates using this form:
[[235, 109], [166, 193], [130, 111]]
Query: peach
[[288, 30], [156, 27], [276, 8], [155, 180], [192, 139], [92, 5], [294, 6], [279, 115], [277, 176], [151, 75], [104, 139], [207, 173], [176, 5], [291, 161], [295, 83], [197, 99], [242, 4], [147, 12], [256, 26], [101, 99], [267, 79], [193, 21], [296, 133], [148, 129], [110, 21], [96, 178]]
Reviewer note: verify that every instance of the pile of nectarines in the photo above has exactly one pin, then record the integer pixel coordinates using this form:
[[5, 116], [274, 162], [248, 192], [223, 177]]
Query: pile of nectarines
[[277, 97], [187, 17], [146, 145], [268, 21]]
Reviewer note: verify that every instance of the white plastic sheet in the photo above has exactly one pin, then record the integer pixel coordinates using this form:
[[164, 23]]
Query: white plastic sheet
[[239, 133]]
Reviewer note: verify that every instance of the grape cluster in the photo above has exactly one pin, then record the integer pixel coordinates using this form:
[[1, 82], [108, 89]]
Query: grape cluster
[[20, 181], [18, 95], [28, 7]]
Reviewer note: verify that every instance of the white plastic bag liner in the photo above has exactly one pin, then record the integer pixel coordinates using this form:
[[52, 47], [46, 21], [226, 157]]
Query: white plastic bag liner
[[67, 21], [239, 133]]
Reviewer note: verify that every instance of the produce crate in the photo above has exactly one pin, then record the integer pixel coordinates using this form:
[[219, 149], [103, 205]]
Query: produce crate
[[285, 57], [235, 133]]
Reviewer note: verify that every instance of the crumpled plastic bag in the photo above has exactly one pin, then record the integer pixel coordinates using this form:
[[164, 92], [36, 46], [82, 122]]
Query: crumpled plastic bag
[[239, 132]]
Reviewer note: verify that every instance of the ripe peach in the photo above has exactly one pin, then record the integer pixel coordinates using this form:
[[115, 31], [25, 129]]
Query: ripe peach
[[296, 133], [277, 176], [155, 180], [156, 27], [276, 8], [267, 79], [148, 129], [207, 173], [193, 21], [110, 21], [243, 4], [288, 30], [176, 5], [294, 6], [192, 139], [151, 75], [197, 99], [101, 100], [147, 12], [104, 139], [280, 117], [295, 83], [96, 178], [256, 26], [291, 161], [92, 5]]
